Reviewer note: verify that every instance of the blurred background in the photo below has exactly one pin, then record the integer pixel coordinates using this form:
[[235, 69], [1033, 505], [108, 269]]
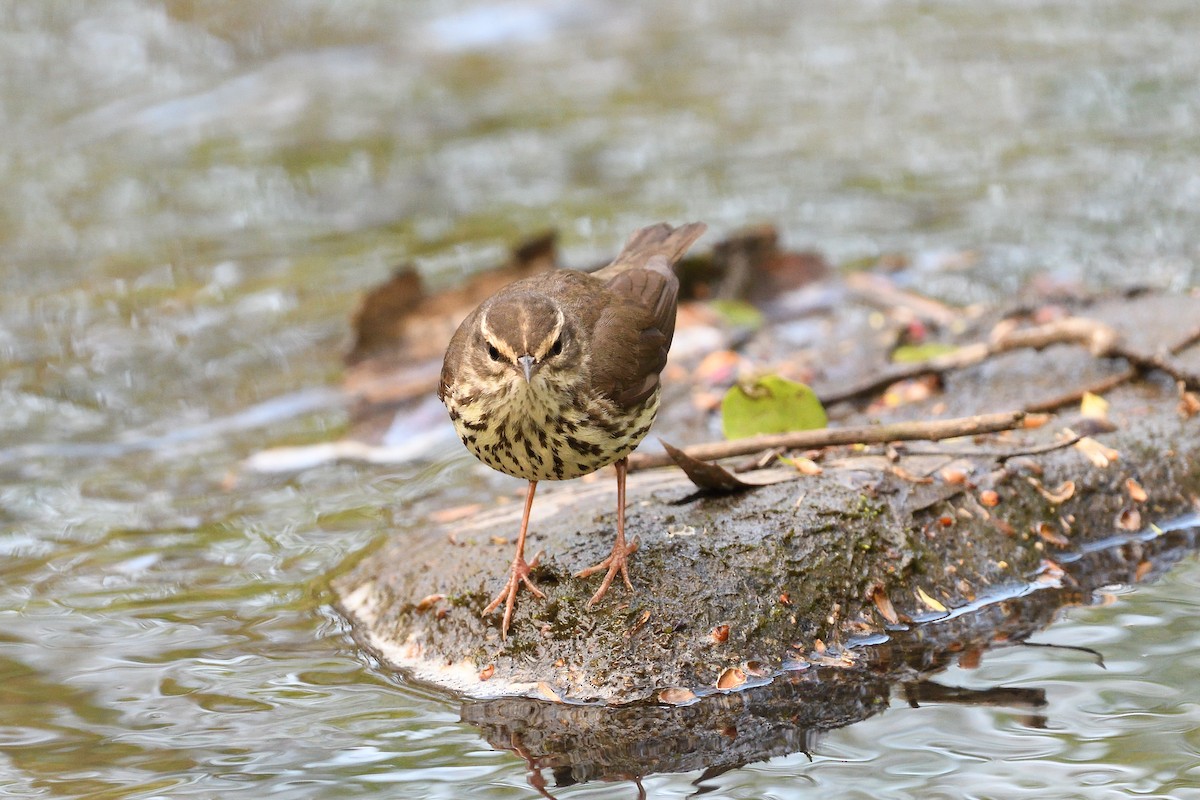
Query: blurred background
[[196, 195]]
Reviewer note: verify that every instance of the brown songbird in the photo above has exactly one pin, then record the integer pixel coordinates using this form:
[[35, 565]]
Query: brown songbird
[[557, 375]]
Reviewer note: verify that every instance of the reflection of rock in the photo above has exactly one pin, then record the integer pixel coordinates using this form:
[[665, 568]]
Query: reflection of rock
[[579, 743]]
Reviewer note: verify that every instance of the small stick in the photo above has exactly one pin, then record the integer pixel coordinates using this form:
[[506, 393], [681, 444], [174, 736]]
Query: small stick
[[929, 430], [1003, 455], [1110, 382], [1097, 336]]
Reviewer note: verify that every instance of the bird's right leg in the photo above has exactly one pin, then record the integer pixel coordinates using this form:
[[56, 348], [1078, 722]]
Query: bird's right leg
[[518, 573]]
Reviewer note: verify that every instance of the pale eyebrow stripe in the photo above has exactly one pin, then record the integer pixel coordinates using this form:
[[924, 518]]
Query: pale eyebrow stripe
[[495, 341]]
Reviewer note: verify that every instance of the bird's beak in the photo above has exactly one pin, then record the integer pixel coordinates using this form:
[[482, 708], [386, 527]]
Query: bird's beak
[[527, 363]]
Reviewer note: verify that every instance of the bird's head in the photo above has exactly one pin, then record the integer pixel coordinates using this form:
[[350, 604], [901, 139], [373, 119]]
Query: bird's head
[[520, 336]]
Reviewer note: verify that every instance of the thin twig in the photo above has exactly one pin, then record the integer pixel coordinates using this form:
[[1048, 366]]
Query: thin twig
[[1097, 336], [928, 430], [1110, 382], [1003, 455]]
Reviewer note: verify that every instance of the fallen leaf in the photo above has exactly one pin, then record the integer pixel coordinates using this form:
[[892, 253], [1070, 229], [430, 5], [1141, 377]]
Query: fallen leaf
[[884, 605], [731, 678], [805, 466], [719, 634], [989, 498], [913, 390], [1058, 496], [757, 669], [676, 696], [1093, 406], [637, 626], [738, 313], [1047, 533], [954, 477], [1136, 493], [1143, 569], [929, 602], [916, 353], [1100, 455], [772, 404], [1189, 405], [715, 478], [428, 601], [487, 672], [905, 475], [1130, 519], [1032, 421]]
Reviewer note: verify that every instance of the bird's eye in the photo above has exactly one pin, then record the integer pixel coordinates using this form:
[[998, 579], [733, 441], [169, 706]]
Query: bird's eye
[[493, 353], [556, 348]]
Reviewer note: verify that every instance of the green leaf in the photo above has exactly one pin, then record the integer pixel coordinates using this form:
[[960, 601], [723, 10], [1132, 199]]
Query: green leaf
[[916, 353], [770, 405], [738, 313]]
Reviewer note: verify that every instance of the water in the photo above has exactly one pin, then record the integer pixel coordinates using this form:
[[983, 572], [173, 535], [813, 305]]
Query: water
[[196, 194]]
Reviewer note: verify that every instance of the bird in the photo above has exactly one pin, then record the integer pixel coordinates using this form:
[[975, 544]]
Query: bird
[[557, 375]]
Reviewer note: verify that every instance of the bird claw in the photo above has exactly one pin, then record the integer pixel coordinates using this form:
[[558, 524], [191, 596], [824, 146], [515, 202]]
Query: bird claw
[[518, 573], [616, 562]]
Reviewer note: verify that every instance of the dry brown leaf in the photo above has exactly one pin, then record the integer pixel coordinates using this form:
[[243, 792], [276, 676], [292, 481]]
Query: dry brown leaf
[[731, 678], [1032, 421], [676, 696], [1143, 569], [714, 478], [884, 605], [428, 601], [1100, 455], [989, 498], [1064, 492], [905, 475], [1130, 519], [757, 669], [1189, 405], [637, 626], [487, 672], [1048, 533], [720, 634], [1136, 493], [954, 477]]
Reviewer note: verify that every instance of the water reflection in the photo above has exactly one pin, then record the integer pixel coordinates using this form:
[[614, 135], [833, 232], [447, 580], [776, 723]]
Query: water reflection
[[717, 733]]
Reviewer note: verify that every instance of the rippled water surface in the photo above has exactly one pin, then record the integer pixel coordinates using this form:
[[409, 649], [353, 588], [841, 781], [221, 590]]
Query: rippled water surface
[[195, 196]]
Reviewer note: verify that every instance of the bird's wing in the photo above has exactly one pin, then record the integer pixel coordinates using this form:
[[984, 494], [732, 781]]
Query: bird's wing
[[636, 328]]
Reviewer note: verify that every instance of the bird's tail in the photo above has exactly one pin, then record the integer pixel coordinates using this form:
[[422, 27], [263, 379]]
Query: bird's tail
[[656, 240]]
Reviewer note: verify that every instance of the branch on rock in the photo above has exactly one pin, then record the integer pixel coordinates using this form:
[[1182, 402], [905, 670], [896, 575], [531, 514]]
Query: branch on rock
[[1141, 364], [928, 430], [1099, 338]]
